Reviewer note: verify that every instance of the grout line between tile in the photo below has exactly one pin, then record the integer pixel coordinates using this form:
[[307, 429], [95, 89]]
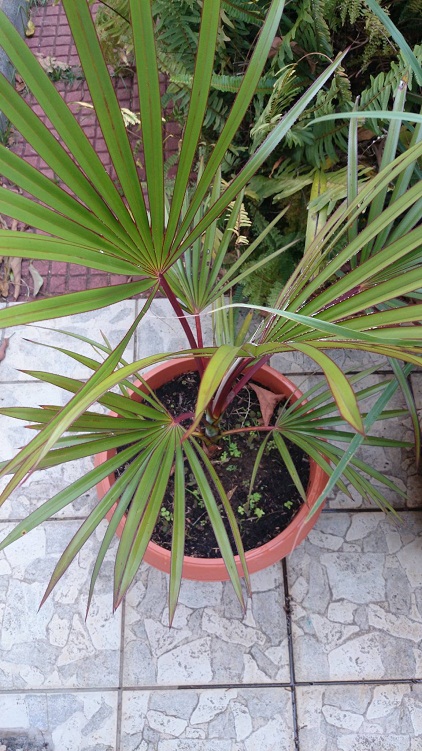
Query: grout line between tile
[[208, 687], [33, 381], [310, 373], [119, 717], [364, 682], [19, 383], [291, 655], [63, 690], [366, 510], [47, 521], [135, 336]]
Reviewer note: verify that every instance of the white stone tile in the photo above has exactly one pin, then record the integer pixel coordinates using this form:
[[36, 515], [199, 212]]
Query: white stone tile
[[14, 433], [43, 484], [210, 640], [416, 381], [357, 614], [160, 331], [348, 360], [67, 722], [234, 719], [56, 647], [360, 717], [395, 463], [416, 479], [114, 322]]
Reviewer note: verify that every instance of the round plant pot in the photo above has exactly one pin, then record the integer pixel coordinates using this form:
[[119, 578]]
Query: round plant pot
[[214, 569]]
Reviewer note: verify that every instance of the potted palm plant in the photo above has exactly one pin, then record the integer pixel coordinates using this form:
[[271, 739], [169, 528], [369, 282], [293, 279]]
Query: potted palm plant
[[344, 293]]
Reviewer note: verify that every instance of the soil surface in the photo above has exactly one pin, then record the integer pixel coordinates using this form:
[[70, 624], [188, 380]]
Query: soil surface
[[262, 513]]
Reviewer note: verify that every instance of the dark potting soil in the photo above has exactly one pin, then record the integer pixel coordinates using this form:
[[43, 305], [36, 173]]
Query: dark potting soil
[[274, 500]]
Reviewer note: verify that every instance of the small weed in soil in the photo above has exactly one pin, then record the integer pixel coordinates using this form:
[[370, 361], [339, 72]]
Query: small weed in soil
[[262, 513]]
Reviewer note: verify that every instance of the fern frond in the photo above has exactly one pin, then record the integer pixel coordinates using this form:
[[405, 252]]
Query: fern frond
[[223, 83], [318, 31], [287, 180], [286, 88], [244, 10], [382, 87]]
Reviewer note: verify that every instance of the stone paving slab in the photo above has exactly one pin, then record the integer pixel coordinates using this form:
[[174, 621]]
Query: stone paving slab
[[22, 740], [416, 381], [395, 463], [234, 719], [41, 485], [160, 331], [210, 640], [71, 721], [356, 595], [55, 647], [25, 394], [114, 321], [218, 680], [350, 361], [360, 717]]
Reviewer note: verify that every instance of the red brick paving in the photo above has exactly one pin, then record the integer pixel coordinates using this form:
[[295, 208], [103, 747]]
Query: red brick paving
[[52, 38]]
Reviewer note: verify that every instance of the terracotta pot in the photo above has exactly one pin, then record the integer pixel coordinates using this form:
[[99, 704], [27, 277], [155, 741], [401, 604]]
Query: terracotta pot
[[214, 569]]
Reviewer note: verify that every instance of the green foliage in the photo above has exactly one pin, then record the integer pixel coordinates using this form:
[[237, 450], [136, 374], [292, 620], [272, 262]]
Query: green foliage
[[251, 507], [265, 283], [309, 32], [285, 78], [115, 33], [377, 43], [382, 87], [5, 133]]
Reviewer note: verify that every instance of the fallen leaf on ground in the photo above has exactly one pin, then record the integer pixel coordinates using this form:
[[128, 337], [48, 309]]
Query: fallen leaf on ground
[[30, 29], [364, 134], [36, 278], [19, 83], [51, 64], [4, 276], [11, 268], [16, 269], [267, 401], [3, 347]]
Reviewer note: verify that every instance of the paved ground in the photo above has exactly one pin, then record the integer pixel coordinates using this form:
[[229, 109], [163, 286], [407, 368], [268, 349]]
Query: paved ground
[[327, 658]]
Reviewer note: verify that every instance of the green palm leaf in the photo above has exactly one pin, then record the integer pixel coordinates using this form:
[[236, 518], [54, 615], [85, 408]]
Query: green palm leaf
[[151, 117], [108, 112], [143, 513], [47, 146], [178, 537], [75, 302]]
